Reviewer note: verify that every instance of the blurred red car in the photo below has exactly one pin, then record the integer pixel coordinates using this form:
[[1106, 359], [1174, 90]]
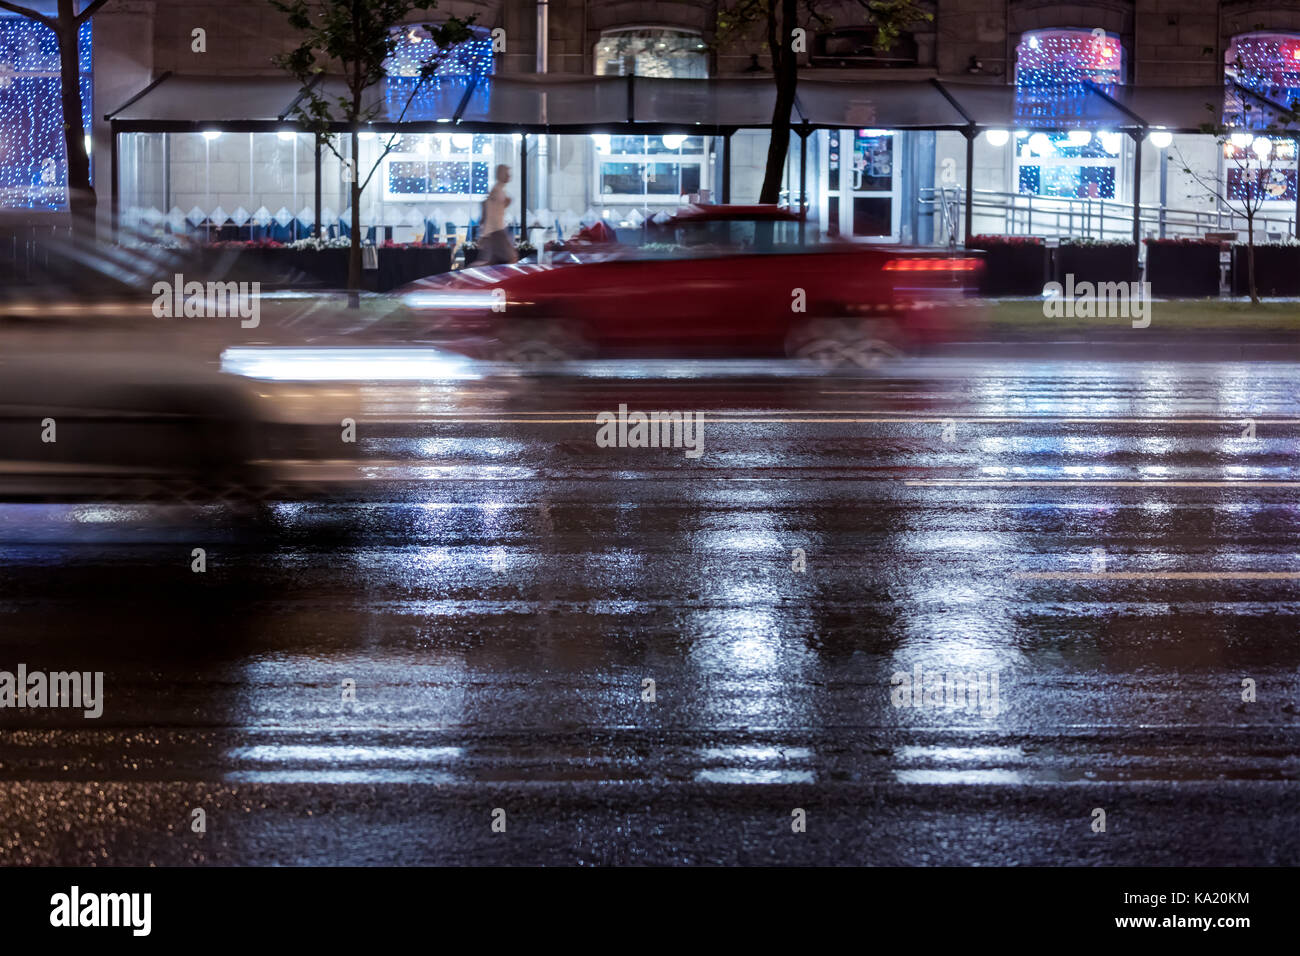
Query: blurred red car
[[711, 281]]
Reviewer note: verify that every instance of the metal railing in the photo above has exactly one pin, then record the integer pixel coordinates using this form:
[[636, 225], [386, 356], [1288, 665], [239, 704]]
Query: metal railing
[[1027, 215]]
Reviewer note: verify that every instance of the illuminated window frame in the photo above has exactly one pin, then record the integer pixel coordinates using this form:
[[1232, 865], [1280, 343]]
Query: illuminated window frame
[[644, 158], [486, 155], [1268, 64], [1053, 67], [471, 59], [685, 56], [22, 39]]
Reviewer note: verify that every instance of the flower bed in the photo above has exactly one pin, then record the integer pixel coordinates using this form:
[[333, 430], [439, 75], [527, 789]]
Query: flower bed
[[1013, 265], [315, 264], [1183, 267]]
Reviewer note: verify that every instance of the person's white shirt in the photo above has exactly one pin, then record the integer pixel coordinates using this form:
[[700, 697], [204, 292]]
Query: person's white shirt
[[494, 209]]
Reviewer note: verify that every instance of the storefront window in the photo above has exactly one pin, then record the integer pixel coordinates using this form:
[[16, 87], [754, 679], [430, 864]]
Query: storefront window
[[439, 166], [1056, 71], [33, 155], [1262, 167], [1074, 165], [1264, 170], [215, 185], [651, 169], [643, 167], [666, 54], [431, 97], [1268, 64]]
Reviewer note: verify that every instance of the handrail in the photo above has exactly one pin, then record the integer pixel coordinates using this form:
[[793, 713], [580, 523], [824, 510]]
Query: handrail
[[1024, 214]]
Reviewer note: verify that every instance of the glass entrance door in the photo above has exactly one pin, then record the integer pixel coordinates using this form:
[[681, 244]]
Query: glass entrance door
[[861, 175]]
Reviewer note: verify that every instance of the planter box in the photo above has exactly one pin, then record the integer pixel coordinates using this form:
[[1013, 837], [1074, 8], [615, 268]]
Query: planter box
[[1095, 263], [397, 267], [323, 269], [1186, 269], [1012, 269], [1277, 270]]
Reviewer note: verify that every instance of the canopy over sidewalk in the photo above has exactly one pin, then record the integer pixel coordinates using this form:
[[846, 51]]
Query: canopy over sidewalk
[[556, 103]]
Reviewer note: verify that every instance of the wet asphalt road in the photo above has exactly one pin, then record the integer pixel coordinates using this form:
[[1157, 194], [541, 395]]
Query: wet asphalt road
[[1098, 535]]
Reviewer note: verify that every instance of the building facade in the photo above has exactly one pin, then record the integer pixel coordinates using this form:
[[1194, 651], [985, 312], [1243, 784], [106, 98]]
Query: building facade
[[872, 184]]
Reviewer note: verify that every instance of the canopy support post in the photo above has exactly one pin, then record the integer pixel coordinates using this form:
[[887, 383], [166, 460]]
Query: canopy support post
[[1137, 204], [316, 228], [116, 211], [523, 187], [970, 182], [726, 167], [803, 181]]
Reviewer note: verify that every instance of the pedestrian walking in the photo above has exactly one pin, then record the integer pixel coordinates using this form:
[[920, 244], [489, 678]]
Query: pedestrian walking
[[494, 246]]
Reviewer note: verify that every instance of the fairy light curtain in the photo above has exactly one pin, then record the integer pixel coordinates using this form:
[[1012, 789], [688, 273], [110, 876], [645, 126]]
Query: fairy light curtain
[[33, 155], [1268, 64], [442, 165], [1055, 73]]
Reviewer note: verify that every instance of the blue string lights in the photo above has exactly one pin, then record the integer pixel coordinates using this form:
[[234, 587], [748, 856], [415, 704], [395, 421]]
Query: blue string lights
[[33, 156], [1053, 68], [1054, 71], [440, 94], [443, 164], [1269, 65]]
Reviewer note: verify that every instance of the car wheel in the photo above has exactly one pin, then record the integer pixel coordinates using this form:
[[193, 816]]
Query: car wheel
[[845, 343], [538, 344]]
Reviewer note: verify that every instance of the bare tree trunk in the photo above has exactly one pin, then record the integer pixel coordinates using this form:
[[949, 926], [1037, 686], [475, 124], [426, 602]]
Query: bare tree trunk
[[785, 66], [81, 193], [354, 250], [1250, 257]]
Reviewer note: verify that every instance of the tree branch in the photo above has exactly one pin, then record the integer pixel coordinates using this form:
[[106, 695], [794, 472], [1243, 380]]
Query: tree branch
[[328, 140], [90, 11], [773, 42], [29, 14], [425, 74]]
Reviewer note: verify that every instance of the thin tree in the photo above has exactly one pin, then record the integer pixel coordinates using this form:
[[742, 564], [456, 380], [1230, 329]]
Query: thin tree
[[786, 24], [356, 39], [1261, 173], [66, 24]]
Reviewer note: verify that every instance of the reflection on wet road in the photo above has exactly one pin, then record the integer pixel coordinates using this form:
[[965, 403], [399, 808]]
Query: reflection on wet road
[[949, 610]]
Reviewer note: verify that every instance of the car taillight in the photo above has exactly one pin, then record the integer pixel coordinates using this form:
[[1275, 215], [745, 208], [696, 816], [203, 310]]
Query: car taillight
[[932, 265]]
